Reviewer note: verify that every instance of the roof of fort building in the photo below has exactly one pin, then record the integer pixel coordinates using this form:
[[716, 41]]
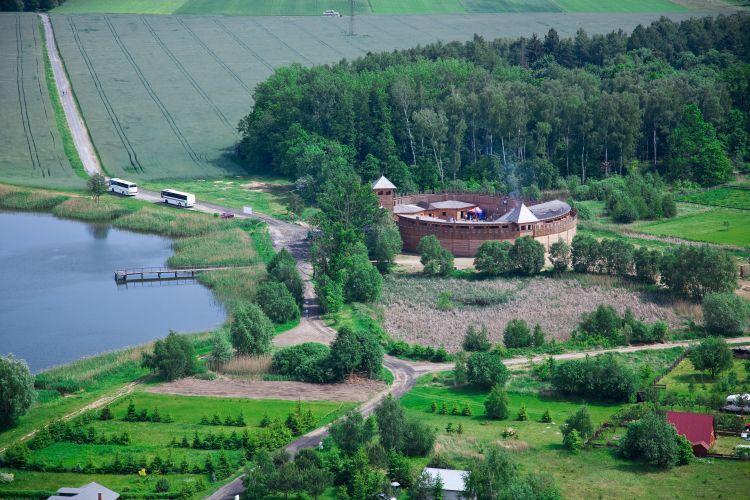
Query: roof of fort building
[[383, 183]]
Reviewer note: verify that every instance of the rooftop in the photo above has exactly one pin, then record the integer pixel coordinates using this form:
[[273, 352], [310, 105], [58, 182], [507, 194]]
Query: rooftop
[[550, 209], [383, 183], [451, 205], [91, 491], [519, 215], [696, 427], [453, 480]]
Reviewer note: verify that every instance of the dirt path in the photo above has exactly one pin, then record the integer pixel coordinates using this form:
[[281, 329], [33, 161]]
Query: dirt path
[[354, 391], [77, 127], [98, 403]]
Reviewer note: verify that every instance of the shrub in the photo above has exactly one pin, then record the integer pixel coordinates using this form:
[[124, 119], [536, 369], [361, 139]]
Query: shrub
[[559, 255], [330, 293], [580, 422], [305, 362], [652, 440], [399, 469], [603, 378], [572, 441], [725, 313], [221, 349], [547, 417], [522, 414], [16, 389], [162, 485], [517, 334], [251, 330], [585, 254], [362, 281], [696, 271], [283, 268], [173, 357], [493, 258], [617, 257], [277, 302], [603, 322], [437, 261], [711, 355], [418, 438], [538, 336], [527, 256], [647, 264], [486, 369], [476, 339], [496, 404], [355, 351]]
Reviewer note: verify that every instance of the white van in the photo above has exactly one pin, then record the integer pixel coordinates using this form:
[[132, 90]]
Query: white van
[[120, 186], [172, 197]]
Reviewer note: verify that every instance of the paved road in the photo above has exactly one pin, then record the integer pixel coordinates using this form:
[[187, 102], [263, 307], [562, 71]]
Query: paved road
[[78, 129]]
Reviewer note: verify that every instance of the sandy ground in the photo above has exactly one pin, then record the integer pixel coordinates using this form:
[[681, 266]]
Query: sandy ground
[[357, 390]]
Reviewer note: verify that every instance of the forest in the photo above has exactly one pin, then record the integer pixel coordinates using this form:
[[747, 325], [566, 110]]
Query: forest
[[670, 99]]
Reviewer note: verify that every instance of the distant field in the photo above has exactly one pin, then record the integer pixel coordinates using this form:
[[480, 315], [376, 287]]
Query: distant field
[[730, 197], [317, 7], [162, 95], [31, 150], [723, 226]]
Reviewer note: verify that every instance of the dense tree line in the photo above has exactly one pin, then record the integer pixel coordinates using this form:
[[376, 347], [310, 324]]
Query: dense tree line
[[507, 113], [28, 5]]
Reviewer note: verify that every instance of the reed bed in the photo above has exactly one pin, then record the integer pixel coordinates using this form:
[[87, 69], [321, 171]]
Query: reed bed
[[168, 222], [231, 247], [32, 200], [90, 210], [412, 309], [232, 286], [253, 367]]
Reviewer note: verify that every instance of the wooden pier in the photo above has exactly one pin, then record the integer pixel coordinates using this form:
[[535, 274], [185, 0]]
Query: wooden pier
[[159, 273]]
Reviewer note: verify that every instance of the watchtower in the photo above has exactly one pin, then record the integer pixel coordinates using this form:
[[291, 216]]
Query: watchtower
[[385, 191]]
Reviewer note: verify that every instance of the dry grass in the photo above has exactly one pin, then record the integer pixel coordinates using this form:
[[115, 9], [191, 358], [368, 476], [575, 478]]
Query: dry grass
[[251, 367], [411, 312]]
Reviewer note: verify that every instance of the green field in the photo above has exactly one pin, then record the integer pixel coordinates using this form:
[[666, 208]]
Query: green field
[[149, 439], [32, 150], [685, 379], [729, 197], [595, 473], [317, 7], [723, 226]]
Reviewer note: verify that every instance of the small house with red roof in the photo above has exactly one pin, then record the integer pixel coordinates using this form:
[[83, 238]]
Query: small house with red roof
[[698, 428]]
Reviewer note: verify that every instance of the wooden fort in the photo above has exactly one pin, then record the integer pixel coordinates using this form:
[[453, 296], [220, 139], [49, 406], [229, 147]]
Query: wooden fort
[[463, 221]]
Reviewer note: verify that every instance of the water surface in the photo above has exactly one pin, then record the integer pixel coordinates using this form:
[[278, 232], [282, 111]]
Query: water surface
[[59, 301]]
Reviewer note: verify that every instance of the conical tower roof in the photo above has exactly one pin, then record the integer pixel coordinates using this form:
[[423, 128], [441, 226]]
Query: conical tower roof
[[519, 215], [383, 183]]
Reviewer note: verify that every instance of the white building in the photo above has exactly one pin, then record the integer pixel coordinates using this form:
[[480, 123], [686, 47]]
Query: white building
[[454, 485]]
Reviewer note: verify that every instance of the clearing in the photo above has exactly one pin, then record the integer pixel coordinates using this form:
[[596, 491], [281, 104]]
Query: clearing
[[722, 226], [725, 196], [411, 312]]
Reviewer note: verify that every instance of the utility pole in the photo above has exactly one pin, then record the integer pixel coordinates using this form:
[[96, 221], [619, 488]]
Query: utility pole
[[351, 17]]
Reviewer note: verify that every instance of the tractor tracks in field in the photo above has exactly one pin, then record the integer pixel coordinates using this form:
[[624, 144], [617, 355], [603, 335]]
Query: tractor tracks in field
[[135, 164], [222, 118], [23, 103], [242, 44], [154, 97]]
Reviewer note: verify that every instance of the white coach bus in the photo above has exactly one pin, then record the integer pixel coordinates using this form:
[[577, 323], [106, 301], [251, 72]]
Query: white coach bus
[[172, 197], [120, 186]]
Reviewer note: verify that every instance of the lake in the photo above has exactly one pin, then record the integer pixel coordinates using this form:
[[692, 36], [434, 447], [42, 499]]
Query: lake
[[59, 301]]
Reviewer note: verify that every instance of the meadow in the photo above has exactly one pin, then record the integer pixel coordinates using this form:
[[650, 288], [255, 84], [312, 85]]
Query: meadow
[[686, 380], [32, 150], [726, 196], [722, 226], [590, 474], [316, 7], [151, 439]]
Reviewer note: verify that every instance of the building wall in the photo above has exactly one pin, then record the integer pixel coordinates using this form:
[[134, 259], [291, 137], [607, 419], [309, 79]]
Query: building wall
[[464, 238]]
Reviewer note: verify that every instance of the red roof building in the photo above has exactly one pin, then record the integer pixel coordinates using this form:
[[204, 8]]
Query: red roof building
[[698, 428]]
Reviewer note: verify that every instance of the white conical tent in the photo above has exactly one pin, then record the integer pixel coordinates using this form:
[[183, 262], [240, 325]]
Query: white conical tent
[[383, 183], [519, 215]]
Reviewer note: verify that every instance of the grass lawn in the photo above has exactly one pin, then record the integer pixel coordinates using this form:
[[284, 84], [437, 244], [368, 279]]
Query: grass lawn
[[620, 6], [723, 226], [597, 473], [268, 195], [120, 6], [729, 197], [151, 439], [678, 380], [725, 445]]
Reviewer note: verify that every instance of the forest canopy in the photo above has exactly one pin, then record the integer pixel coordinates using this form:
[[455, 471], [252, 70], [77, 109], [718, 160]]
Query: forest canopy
[[504, 114]]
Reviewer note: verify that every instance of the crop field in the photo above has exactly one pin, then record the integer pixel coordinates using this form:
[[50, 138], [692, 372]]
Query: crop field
[[411, 311], [729, 197], [316, 7], [162, 95], [82, 461], [32, 150], [537, 448]]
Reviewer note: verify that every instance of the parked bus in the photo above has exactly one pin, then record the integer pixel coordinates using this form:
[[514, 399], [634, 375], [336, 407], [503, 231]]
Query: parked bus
[[120, 186], [172, 197]]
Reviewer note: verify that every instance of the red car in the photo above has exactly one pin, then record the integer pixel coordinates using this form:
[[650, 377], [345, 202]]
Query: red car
[[227, 215]]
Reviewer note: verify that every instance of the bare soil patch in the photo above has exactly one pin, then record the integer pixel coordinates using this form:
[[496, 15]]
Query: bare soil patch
[[411, 310], [354, 390]]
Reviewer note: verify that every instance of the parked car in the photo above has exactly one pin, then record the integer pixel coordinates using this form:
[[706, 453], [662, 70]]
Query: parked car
[[227, 215]]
